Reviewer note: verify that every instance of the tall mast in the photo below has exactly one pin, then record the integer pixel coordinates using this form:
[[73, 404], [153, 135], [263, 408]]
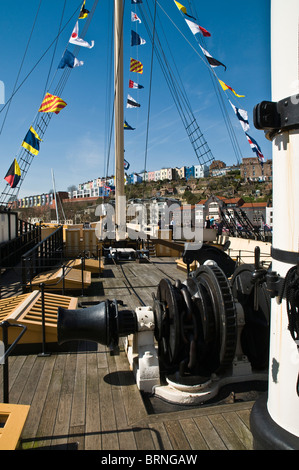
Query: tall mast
[[119, 115]]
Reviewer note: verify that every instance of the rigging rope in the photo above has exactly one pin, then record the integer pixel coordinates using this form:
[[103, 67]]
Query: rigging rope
[[215, 84], [200, 146], [21, 66], [42, 120], [150, 88], [219, 94]]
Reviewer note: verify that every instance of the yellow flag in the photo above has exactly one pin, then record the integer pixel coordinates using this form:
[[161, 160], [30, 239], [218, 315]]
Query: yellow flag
[[51, 104], [227, 87], [183, 9], [84, 12]]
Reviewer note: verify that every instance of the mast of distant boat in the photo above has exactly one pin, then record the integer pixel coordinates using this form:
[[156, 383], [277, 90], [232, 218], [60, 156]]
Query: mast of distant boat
[[54, 189]]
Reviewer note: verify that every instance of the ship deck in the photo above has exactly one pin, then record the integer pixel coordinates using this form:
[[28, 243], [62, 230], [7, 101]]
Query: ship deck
[[87, 399]]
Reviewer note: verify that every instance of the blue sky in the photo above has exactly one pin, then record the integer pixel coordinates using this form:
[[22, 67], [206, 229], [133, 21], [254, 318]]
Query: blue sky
[[75, 144]]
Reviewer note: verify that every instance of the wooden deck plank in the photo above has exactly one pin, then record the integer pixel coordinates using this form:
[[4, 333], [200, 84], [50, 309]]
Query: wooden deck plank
[[79, 394], [227, 434], [109, 437], [245, 417], [209, 433], [32, 382], [64, 406], [22, 377], [239, 427], [46, 426], [37, 404], [135, 408], [176, 435], [93, 418], [15, 365], [117, 379], [193, 434], [143, 437], [160, 437]]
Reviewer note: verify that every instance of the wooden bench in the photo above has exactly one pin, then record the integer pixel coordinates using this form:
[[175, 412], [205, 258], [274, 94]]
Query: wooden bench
[[26, 309], [93, 266], [53, 279], [12, 421]]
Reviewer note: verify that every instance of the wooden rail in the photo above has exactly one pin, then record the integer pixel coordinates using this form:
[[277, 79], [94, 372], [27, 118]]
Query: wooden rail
[[48, 252]]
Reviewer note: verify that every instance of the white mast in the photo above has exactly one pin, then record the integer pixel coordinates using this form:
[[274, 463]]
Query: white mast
[[119, 118], [277, 425]]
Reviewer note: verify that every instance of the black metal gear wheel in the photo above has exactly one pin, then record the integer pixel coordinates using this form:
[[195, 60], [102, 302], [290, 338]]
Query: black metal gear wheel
[[215, 285], [255, 334]]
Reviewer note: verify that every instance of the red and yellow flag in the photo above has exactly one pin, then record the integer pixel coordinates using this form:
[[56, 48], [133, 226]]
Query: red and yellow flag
[[136, 66], [227, 87], [51, 104]]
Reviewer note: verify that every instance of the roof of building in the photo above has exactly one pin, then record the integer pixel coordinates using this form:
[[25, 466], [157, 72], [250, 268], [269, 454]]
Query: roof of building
[[255, 204]]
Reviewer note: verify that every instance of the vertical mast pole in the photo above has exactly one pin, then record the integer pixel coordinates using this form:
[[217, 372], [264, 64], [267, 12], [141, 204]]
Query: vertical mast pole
[[54, 189], [119, 114]]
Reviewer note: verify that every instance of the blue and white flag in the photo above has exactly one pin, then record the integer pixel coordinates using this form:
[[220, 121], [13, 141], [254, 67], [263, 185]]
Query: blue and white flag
[[242, 115], [135, 85], [136, 40], [69, 60], [126, 165], [136, 1], [255, 148]]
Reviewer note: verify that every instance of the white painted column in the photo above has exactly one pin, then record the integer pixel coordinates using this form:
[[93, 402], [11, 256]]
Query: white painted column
[[283, 401]]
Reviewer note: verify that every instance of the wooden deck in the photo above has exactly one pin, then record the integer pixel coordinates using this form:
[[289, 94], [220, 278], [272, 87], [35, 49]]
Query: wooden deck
[[88, 399]]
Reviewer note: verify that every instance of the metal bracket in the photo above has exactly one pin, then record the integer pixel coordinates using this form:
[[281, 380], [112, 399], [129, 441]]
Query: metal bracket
[[275, 117]]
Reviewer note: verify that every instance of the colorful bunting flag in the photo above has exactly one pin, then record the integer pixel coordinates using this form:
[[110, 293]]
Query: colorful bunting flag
[[51, 104], [126, 165], [242, 115], [131, 103], [74, 39], [134, 17], [31, 141], [136, 66], [183, 9], [128, 127], [195, 28], [136, 40], [226, 87], [213, 62], [83, 13], [69, 60], [135, 85], [255, 148], [13, 175]]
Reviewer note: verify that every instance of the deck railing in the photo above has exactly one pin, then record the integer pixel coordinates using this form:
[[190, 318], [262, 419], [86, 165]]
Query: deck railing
[[42, 256], [11, 251], [7, 351]]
